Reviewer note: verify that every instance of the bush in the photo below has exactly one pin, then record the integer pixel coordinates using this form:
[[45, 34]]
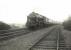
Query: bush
[[67, 24], [4, 26]]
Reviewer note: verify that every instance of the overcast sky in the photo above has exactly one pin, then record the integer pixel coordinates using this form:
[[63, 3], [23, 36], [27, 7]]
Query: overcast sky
[[16, 11]]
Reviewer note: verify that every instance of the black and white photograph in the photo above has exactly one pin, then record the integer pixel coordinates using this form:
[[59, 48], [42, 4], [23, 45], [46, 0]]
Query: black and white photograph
[[35, 24]]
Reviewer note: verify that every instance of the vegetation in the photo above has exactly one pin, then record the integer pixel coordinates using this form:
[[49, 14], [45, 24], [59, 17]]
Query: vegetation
[[67, 24], [4, 26]]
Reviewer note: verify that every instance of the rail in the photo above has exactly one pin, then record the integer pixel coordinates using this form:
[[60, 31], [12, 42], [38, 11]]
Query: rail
[[49, 40], [58, 41], [11, 30], [43, 37], [10, 35]]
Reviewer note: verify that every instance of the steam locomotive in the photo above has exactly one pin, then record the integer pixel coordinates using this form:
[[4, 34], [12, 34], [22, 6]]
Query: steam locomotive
[[35, 20]]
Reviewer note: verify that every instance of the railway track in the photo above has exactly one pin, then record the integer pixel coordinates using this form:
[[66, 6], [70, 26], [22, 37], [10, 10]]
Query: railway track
[[53, 41], [11, 30], [12, 34], [8, 34]]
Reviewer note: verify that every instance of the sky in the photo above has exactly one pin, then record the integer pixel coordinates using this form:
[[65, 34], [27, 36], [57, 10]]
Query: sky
[[16, 11]]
